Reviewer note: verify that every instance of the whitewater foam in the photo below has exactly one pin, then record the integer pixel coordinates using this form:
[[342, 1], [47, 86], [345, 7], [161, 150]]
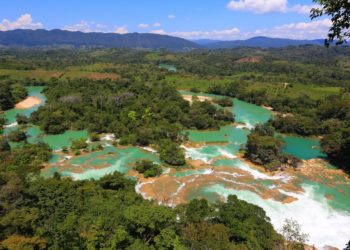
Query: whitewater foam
[[325, 225], [195, 154], [259, 175], [14, 124]]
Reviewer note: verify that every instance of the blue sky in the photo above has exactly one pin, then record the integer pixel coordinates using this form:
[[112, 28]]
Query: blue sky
[[214, 19]]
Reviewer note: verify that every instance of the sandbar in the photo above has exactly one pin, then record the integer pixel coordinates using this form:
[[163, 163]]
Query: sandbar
[[28, 103]]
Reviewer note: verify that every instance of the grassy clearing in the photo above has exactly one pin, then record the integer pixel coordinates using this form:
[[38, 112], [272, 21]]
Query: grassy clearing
[[295, 90], [37, 74]]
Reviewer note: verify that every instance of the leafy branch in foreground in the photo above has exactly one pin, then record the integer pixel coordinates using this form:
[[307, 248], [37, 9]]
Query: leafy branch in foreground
[[339, 11]]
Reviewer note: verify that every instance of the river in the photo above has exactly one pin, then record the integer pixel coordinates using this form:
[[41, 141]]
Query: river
[[317, 196]]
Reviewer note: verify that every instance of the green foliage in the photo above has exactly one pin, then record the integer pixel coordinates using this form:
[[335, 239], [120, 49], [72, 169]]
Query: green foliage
[[18, 92], [293, 237], [59, 213], [171, 153], [26, 159], [139, 114], [2, 122], [296, 124], [339, 11], [347, 246], [4, 145], [225, 102], [197, 211], [265, 149], [22, 119], [17, 135], [94, 137], [207, 236], [148, 168], [232, 225], [10, 94], [337, 146], [79, 144], [6, 98]]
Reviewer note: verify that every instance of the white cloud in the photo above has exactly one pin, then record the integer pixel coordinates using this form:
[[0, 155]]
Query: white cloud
[[267, 6], [227, 34], [23, 22], [143, 26], [158, 32], [88, 26], [259, 6], [83, 26], [302, 30], [171, 16], [301, 9], [157, 24], [121, 30]]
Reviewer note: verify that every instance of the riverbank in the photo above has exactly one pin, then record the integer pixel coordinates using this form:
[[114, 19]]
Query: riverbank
[[189, 98], [29, 102]]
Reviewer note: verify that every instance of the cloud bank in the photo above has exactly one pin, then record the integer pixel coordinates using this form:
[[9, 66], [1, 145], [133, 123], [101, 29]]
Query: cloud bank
[[23, 22], [268, 6]]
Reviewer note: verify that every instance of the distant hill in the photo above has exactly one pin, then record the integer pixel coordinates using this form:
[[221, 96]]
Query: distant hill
[[262, 42], [205, 41], [35, 38]]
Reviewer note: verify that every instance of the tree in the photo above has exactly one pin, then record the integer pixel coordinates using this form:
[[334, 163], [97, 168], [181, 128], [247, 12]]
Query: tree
[[171, 153], [4, 145], [22, 119], [6, 98], [197, 210], [294, 238], [148, 168], [339, 11], [17, 136], [18, 242], [79, 144], [225, 102], [2, 121], [206, 236], [347, 247]]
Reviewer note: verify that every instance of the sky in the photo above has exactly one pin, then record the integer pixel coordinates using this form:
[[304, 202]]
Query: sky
[[190, 19]]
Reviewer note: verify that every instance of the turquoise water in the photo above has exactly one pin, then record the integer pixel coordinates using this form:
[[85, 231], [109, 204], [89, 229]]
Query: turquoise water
[[170, 68], [98, 164], [34, 133], [35, 91], [250, 114], [312, 210], [303, 148], [323, 204]]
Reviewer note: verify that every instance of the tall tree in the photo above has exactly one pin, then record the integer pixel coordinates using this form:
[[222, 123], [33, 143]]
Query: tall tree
[[339, 11]]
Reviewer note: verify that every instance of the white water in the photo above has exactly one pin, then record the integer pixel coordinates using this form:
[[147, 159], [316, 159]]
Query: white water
[[260, 175], [139, 186], [149, 149], [98, 173], [324, 225], [11, 125], [108, 137], [246, 125], [226, 154], [195, 154]]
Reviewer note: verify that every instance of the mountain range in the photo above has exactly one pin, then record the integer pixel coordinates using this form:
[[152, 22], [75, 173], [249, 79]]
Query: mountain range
[[261, 41], [35, 38], [39, 38]]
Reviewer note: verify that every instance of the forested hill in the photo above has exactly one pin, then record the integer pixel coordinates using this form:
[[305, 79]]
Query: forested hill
[[262, 42], [35, 38]]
